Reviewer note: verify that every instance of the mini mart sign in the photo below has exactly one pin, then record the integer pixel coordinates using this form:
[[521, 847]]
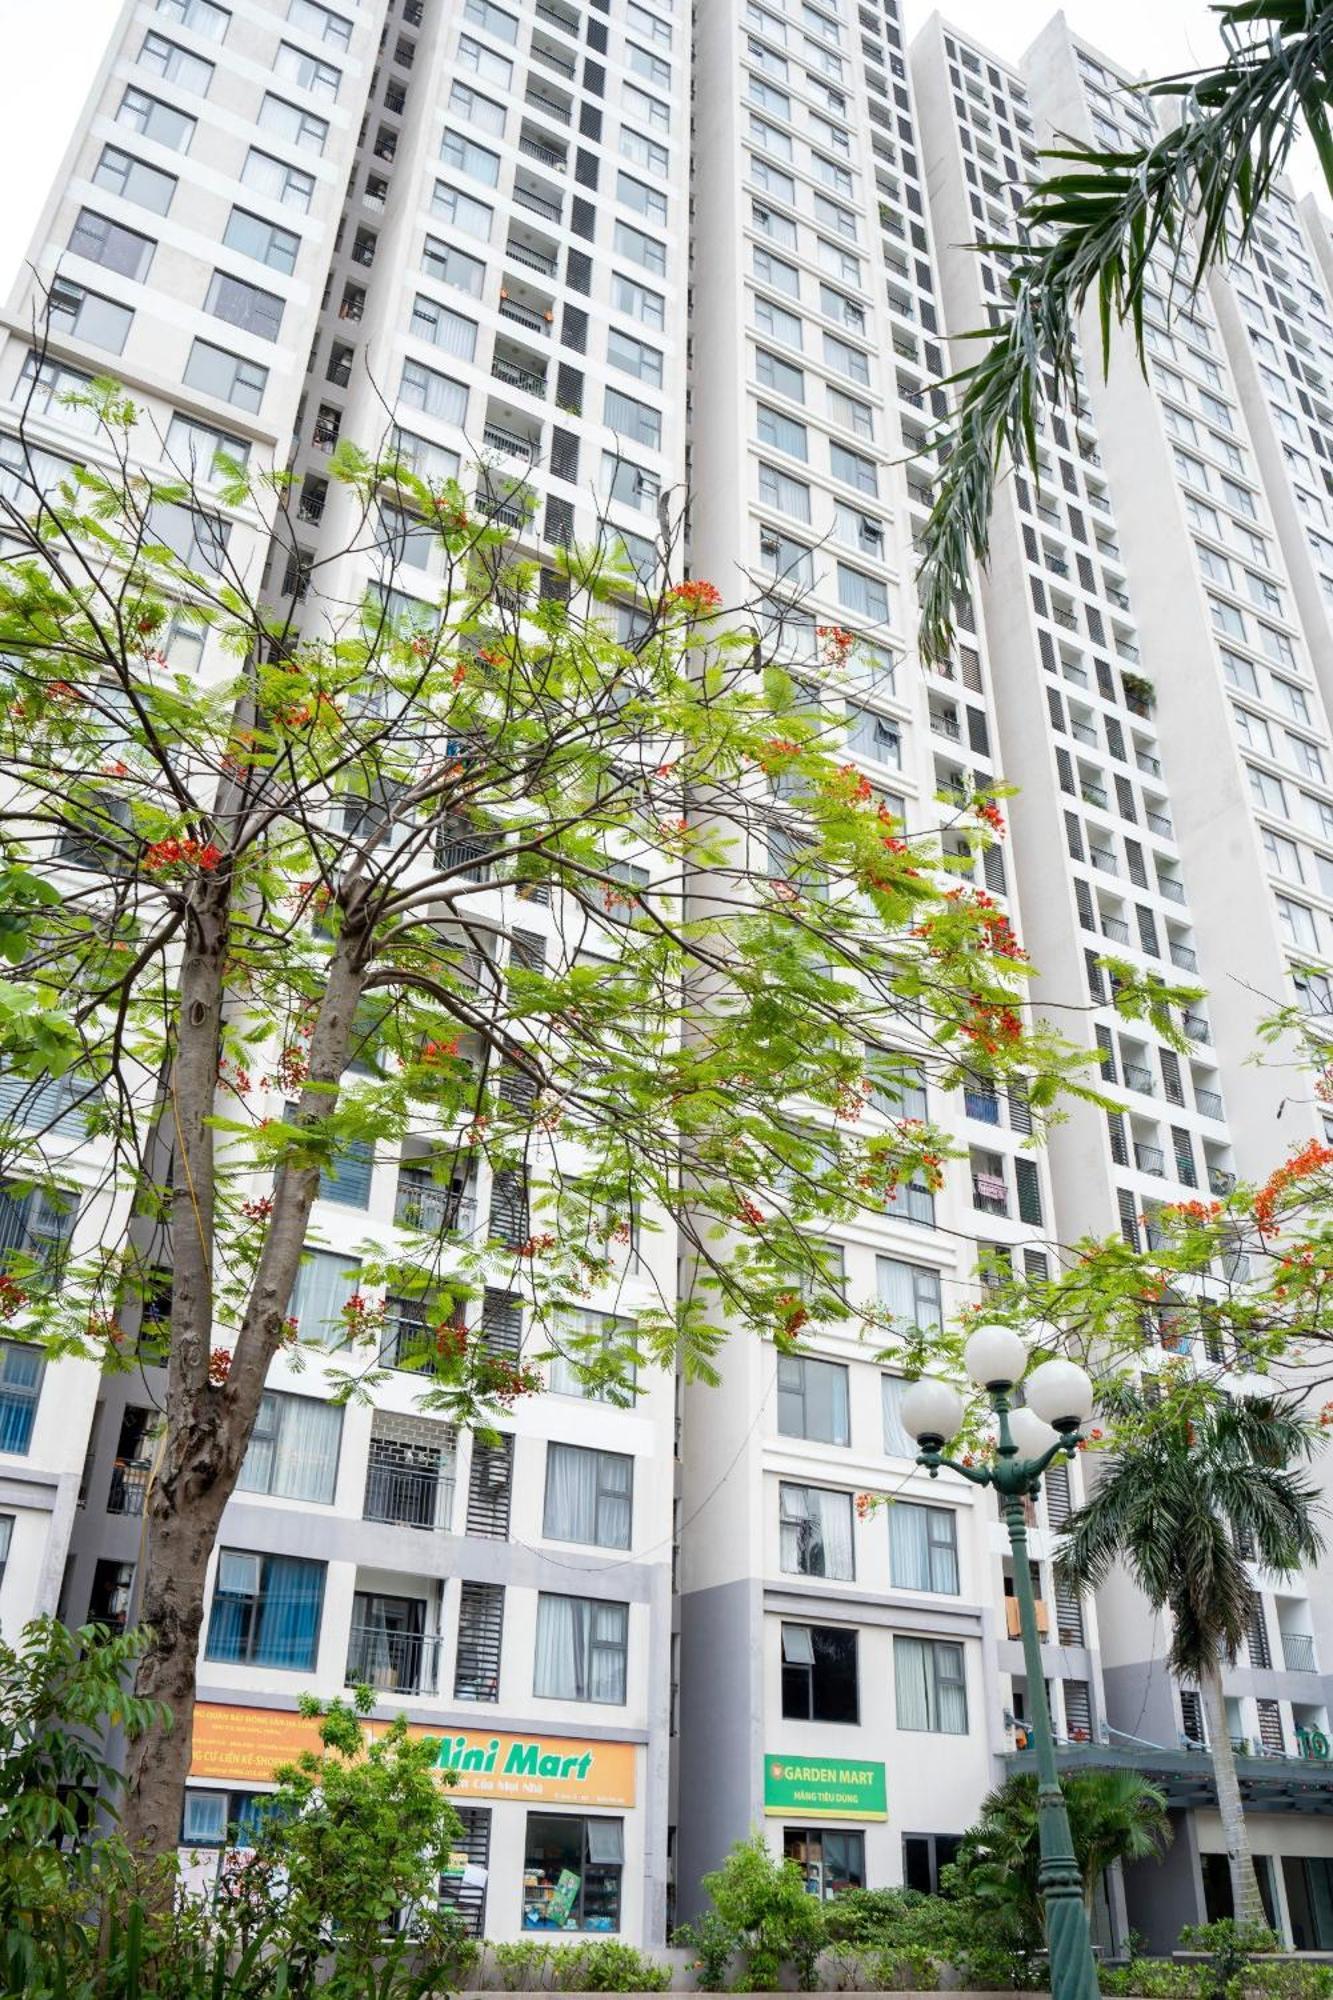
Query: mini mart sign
[[246, 1746], [824, 1788]]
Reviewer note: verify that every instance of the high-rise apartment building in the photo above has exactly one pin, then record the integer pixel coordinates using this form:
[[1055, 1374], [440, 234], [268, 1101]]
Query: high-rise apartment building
[[551, 247]]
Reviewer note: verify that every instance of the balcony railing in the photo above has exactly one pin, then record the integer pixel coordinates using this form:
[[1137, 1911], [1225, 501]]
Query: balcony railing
[[1147, 762], [1102, 857], [1173, 891], [422, 1205], [1083, 732], [546, 155], [1064, 618], [1209, 1103], [540, 204], [1298, 1653], [982, 1104], [129, 1485], [945, 725], [526, 379], [1093, 795], [1185, 956], [1150, 1159], [990, 1194], [413, 1496], [508, 442], [1116, 929], [527, 316], [521, 254], [1196, 1028], [1139, 1077], [395, 1662], [1158, 822]]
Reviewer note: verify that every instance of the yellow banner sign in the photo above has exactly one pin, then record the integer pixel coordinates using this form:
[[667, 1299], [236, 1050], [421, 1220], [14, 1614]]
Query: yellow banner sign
[[246, 1746]]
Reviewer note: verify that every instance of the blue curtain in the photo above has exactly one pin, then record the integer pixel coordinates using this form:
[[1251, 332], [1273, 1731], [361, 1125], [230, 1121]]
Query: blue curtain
[[289, 1613]]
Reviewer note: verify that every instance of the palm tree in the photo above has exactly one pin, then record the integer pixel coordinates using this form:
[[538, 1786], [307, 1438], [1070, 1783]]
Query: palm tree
[[1087, 234], [1192, 1481], [1114, 1815]]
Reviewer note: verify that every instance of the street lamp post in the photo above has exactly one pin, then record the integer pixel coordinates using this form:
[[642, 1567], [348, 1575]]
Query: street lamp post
[[1058, 1401]]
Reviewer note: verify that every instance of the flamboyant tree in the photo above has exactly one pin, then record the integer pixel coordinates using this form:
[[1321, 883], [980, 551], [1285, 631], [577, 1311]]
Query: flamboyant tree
[[559, 875]]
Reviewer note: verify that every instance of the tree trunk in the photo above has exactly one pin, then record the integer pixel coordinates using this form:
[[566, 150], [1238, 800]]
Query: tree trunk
[[1247, 1903]]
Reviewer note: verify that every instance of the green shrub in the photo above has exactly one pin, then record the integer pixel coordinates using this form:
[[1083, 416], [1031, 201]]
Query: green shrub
[[911, 1939], [601, 1965], [762, 1912]]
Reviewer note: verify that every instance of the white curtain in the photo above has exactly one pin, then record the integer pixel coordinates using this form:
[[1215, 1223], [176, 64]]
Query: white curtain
[[816, 1532], [912, 1683], [324, 1284], [580, 1649], [908, 1548], [559, 1650], [571, 1493], [897, 1443], [307, 1463], [929, 1685]]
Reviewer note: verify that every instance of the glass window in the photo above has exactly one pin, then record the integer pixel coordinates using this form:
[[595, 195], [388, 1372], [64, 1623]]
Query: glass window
[[784, 433], [452, 267], [897, 1441], [319, 20], [465, 156], [325, 1281], [477, 109], [222, 1818], [571, 1873], [864, 596], [640, 105], [442, 328], [648, 25], [307, 72], [205, 17], [438, 395], [632, 419], [813, 1399], [266, 1610], [194, 538], [923, 1547], [109, 243], [776, 321], [629, 297], [771, 137], [267, 242], [594, 1341], [830, 1862], [51, 382], [155, 120], [1298, 924], [777, 227], [644, 200], [634, 357], [21, 1371], [783, 377], [778, 489], [464, 211], [293, 1449], [853, 468], [654, 68], [819, 1679], [120, 172], [88, 316], [475, 56], [640, 249], [644, 152], [790, 561], [581, 1649], [292, 186], [874, 736], [245, 305], [483, 14], [816, 1532], [589, 1496], [630, 483], [930, 1685], [851, 412], [773, 180], [168, 59], [302, 129]]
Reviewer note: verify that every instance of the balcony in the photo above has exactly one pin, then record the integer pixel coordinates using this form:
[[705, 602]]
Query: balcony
[[545, 155], [1185, 956], [549, 106], [1168, 886], [524, 315], [1013, 1623], [1139, 1077], [1209, 1103], [982, 1104], [393, 1662], [129, 1486], [410, 1495], [945, 725], [990, 1194], [422, 1204], [515, 375], [496, 438], [1093, 795], [532, 256], [1147, 762], [1102, 857], [1158, 822], [1150, 1160], [1066, 620], [548, 206], [1116, 929], [1196, 1028], [1221, 1181], [1298, 1653], [553, 58], [1082, 732]]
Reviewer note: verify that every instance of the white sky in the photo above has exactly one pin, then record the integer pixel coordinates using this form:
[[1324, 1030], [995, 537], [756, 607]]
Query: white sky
[[51, 48]]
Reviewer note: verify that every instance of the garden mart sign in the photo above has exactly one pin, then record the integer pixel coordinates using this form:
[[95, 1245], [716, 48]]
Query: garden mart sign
[[824, 1788], [246, 1746]]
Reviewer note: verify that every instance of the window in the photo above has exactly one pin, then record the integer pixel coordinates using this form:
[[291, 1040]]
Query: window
[[773, 180], [218, 1818], [775, 271], [86, 315], [897, 1442], [653, 68], [770, 137], [1267, 791], [293, 65], [293, 1449], [1298, 924], [1253, 731], [122, 174], [778, 489], [924, 1854], [1283, 854], [478, 110], [589, 1496], [923, 1547], [777, 228], [51, 382], [634, 357], [782, 432], [930, 1686], [21, 1370], [465, 156], [267, 242], [865, 596], [484, 62], [640, 105], [177, 65], [452, 267], [1289, 698], [816, 1532], [153, 119], [203, 16], [292, 186], [636, 300], [494, 19], [839, 263], [464, 211], [839, 307], [853, 468], [819, 1678], [777, 321], [245, 305], [571, 1873], [593, 1340], [644, 153], [640, 249], [830, 1862], [874, 736], [302, 129], [1304, 755], [325, 1281], [630, 483], [813, 1399], [782, 377], [858, 530], [321, 21], [194, 538], [438, 395], [644, 200], [109, 243], [790, 561], [632, 419], [852, 413], [581, 1649], [832, 215], [1239, 673], [266, 1610], [648, 25]]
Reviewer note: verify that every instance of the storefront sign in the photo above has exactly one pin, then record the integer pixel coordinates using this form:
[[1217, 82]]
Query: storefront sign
[[824, 1788], [246, 1746]]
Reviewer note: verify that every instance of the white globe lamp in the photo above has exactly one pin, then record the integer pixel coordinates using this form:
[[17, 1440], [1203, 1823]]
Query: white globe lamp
[[995, 1357], [931, 1411], [1060, 1393], [1033, 1438]]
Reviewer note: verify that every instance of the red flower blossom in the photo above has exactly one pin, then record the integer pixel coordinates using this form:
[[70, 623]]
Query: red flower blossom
[[696, 596]]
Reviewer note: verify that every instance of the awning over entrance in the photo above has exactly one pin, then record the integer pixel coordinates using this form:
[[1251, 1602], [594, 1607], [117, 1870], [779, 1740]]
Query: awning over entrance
[[1267, 1784]]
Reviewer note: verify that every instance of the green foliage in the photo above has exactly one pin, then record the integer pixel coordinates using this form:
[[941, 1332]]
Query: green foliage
[[347, 1861], [1114, 1815], [1240, 1962], [601, 1965], [898, 1939], [1089, 231], [761, 1906]]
